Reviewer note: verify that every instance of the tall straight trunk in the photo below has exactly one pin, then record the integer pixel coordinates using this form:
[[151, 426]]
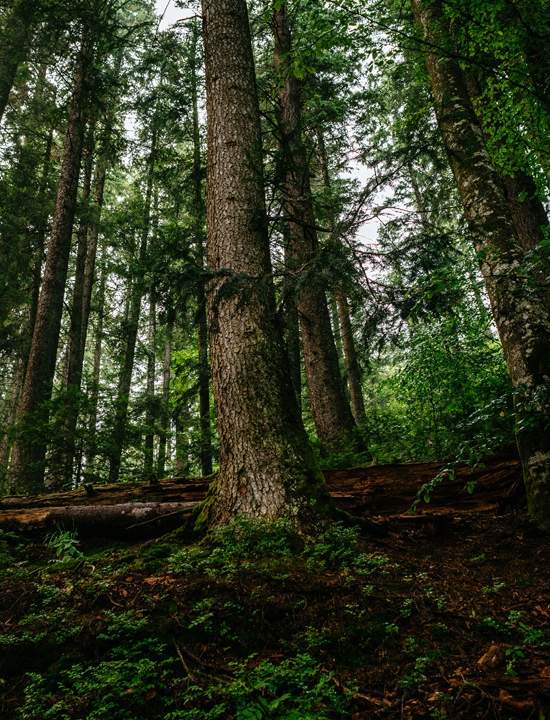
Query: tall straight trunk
[[329, 404], [267, 468], [165, 406], [291, 322], [62, 463], [41, 231], [353, 371], [343, 320], [137, 290], [202, 320], [15, 43], [91, 442], [519, 311], [28, 458], [149, 447]]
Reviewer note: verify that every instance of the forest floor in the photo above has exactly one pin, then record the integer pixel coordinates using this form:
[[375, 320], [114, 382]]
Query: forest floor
[[445, 615]]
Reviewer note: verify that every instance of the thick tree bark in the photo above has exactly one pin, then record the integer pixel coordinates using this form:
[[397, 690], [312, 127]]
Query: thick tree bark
[[267, 468], [33, 414], [15, 43], [202, 320], [330, 407], [519, 311], [137, 290]]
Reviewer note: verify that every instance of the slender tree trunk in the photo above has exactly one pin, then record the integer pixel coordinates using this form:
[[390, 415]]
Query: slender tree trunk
[[41, 231], [329, 404], [353, 371], [266, 465], [91, 446], [520, 313], [136, 293], [344, 336], [62, 463], [292, 321], [33, 414], [15, 43], [165, 410], [148, 467], [202, 320]]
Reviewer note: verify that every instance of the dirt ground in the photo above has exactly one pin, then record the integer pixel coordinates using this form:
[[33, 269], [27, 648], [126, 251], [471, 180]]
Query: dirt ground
[[446, 616]]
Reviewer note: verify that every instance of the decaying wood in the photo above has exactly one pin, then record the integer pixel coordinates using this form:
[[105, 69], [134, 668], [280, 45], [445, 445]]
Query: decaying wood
[[384, 493]]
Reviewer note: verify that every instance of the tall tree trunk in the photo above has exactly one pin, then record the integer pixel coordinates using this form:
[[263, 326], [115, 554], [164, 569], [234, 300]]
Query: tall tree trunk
[[148, 466], [353, 371], [291, 321], [91, 444], [329, 404], [202, 320], [343, 319], [15, 43], [33, 414], [41, 231], [520, 313], [165, 408], [267, 468], [62, 462], [137, 289]]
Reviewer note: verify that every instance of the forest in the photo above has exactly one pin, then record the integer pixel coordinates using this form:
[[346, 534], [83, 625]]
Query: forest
[[274, 359]]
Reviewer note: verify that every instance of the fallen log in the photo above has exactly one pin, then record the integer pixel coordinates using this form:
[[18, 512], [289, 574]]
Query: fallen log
[[99, 519], [379, 494]]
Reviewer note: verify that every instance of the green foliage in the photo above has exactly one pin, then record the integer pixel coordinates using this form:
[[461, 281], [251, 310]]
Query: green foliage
[[65, 544]]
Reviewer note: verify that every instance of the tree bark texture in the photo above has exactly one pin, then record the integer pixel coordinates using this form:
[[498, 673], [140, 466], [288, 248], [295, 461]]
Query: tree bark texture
[[33, 414], [62, 463], [519, 310], [329, 405], [266, 465]]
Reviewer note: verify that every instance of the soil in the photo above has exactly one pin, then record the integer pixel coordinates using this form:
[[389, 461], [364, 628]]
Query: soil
[[450, 621]]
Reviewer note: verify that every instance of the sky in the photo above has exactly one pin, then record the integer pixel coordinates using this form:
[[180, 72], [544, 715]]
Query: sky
[[172, 14]]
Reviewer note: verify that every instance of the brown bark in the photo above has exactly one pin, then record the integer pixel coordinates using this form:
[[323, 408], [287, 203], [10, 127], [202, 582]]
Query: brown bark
[[14, 45], [137, 289], [519, 311], [202, 320], [353, 371], [91, 449], [33, 414], [149, 447], [330, 407], [165, 407], [344, 337], [62, 462], [266, 465]]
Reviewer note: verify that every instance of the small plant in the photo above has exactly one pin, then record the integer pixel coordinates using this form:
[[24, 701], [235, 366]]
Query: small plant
[[495, 588], [64, 543]]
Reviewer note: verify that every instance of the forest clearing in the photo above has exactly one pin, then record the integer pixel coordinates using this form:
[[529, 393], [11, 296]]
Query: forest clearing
[[274, 359]]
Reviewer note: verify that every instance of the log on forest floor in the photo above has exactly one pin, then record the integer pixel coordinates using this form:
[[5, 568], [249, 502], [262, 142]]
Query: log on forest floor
[[384, 493]]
